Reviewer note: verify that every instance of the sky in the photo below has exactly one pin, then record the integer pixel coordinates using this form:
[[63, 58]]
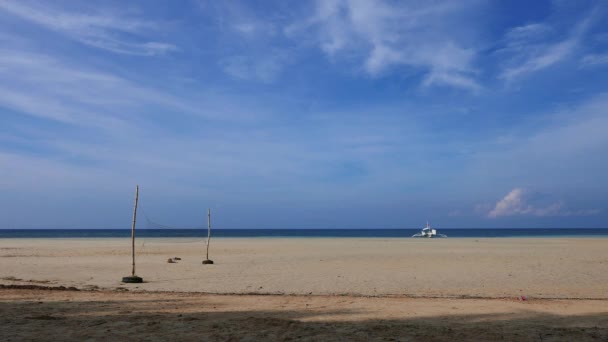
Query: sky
[[304, 114]]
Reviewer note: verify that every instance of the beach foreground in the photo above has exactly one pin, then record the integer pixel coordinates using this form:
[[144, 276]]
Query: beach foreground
[[119, 316], [305, 288], [480, 268]]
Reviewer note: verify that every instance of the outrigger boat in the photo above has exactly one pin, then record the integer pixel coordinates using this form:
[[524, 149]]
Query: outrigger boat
[[428, 232]]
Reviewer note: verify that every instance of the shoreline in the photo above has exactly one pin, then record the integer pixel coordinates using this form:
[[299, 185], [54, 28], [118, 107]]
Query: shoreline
[[200, 238], [452, 233]]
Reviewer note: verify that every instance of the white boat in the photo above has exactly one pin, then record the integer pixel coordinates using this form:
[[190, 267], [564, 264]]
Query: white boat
[[428, 232]]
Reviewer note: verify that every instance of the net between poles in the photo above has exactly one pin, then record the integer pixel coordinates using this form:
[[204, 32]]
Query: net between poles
[[151, 224]]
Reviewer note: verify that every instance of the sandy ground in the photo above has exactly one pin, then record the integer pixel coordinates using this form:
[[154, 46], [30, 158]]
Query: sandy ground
[[157, 316], [324, 289], [488, 268]]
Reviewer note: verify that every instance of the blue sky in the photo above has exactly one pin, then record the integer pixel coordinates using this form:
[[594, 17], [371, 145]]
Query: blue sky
[[304, 114]]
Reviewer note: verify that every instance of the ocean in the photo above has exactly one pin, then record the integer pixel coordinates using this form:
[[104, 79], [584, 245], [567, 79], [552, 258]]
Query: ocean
[[302, 233]]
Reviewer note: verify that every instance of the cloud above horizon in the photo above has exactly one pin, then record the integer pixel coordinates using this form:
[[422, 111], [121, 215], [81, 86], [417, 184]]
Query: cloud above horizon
[[518, 203]]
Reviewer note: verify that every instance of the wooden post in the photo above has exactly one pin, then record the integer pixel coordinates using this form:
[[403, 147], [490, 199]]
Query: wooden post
[[207, 261], [208, 230], [133, 278], [133, 229]]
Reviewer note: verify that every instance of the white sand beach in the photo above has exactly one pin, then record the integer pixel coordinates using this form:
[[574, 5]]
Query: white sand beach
[[487, 268], [306, 289]]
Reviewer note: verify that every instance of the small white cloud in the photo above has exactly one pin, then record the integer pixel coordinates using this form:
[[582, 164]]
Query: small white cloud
[[517, 203], [511, 204]]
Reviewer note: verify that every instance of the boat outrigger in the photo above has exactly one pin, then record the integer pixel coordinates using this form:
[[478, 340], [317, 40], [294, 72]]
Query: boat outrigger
[[428, 232]]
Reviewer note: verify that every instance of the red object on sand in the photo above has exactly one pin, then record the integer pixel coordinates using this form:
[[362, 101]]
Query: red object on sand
[[523, 298]]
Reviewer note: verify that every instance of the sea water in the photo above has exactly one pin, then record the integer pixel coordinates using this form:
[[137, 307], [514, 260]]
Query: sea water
[[303, 233]]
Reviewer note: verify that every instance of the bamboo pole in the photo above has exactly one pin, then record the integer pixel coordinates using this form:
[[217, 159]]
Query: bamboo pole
[[207, 261], [133, 278], [208, 230], [133, 229]]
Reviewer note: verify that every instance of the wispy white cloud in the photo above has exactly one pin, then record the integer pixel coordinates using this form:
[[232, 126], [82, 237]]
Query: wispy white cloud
[[519, 38], [108, 31], [517, 203], [249, 48], [250, 26], [544, 58], [238, 17], [594, 60], [529, 51], [42, 87], [265, 68], [68, 92], [387, 35]]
